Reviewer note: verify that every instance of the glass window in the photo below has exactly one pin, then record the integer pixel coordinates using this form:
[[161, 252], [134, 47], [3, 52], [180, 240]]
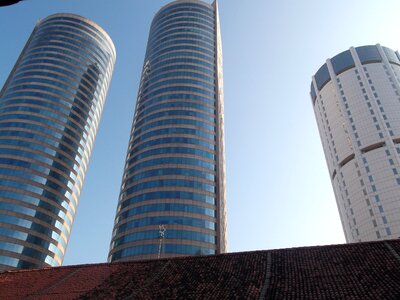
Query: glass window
[[322, 77], [391, 55], [368, 54], [167, 195], [342, 62]]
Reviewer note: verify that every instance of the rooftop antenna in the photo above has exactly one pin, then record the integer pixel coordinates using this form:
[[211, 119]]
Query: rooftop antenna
[[162, 230]]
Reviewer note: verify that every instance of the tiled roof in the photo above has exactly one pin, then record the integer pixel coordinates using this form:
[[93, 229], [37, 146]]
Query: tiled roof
[[352, 271]]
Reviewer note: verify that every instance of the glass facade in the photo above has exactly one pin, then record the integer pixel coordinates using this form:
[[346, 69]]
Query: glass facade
[[50, 108], [175, 169]]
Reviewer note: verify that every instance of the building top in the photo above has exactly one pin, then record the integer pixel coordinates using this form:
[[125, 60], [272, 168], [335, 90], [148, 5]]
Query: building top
[[344, 61], [353, 271], [102, 33]]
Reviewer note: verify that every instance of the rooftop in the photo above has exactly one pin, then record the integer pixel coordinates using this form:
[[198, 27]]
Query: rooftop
[[353, 271]]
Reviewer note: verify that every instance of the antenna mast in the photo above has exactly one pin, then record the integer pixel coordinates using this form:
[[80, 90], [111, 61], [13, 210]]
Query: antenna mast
[[162, 230]]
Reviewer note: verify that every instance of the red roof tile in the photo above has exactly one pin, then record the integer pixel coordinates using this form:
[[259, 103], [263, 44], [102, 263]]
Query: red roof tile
[[353, 271]]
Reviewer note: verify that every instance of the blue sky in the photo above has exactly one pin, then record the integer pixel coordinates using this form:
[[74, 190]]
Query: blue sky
[[278, 189]]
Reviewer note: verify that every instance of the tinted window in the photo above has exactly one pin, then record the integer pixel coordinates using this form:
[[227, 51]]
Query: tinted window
[[342, 62], [368, 54], [322, 77]]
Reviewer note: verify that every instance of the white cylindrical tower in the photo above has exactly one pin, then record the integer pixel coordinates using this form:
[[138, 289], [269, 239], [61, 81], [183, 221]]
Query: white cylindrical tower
[[356, 100]]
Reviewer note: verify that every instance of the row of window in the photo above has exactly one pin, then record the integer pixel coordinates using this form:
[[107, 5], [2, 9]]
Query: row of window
[[181, 54], [33, 144], [44, 99], [169, 150], [67, 77], [163, 207], [38, 192], [201, 86], [52, 222], [38, 101], [175, 131], [29, 238], [88, 28], [169, 113], [71, 52], [175, 96], [68, 71], [17, 263], [344, 61], [51, 233], [170, 171], [180, 195], [20, 209], [199, 7], [62, 123], [170, 75], [92, 59], [165, 220], [172, 140], [169, 234], [42, 180], [167, 39], [158, 69], [11, 127], [26, 163], [164, 183], [165, 18], [166, 122], [170, 161], [168, 248], [161, 21], [180, 29], [56, 80], [74, 37], [176, 105], [53, 149], [173, 45], [30, 252], [50, 206], [36, 158], [181, 23], [41, 127]]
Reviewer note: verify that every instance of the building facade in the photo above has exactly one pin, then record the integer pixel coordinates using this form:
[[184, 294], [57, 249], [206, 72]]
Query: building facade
[[50, 108], [174, 175], [356, 99]]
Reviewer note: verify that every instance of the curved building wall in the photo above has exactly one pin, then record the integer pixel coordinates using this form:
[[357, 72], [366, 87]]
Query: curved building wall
[[175, 168], [50, 108], [356, 99]]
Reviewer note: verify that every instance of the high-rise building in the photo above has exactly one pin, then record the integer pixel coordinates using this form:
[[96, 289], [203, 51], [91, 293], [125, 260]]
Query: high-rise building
[[356, 99], [174, 175], [50, 108]]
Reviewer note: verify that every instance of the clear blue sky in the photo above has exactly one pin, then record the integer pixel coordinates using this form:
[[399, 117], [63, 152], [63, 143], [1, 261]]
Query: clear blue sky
[[278, 188]]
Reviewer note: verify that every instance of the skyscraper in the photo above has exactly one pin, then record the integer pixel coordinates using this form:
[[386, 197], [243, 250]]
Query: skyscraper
[[50, 108], [174, 174], [356, 99]]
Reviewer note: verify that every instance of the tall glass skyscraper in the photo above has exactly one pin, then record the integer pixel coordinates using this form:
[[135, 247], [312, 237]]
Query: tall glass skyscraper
[[175, 167], [50, 108], [356, 100]]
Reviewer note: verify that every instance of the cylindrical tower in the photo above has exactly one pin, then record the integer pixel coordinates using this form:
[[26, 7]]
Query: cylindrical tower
[[356, 99], [175, 168], [50, 108]]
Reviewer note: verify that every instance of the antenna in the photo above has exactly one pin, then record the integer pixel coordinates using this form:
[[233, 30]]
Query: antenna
[[162, 230]]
